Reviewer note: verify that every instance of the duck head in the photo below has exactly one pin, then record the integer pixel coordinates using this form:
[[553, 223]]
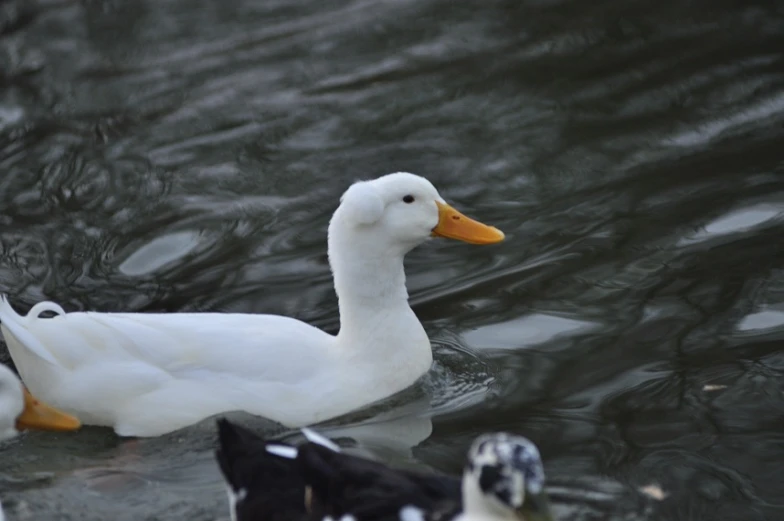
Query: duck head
[[400, 211], [504, 478]]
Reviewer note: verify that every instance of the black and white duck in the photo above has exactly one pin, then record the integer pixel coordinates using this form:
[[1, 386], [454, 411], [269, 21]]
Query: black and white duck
[[503, 479]]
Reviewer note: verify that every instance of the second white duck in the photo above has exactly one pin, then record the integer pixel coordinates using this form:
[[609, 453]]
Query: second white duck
[[19, 410], [147, 374]]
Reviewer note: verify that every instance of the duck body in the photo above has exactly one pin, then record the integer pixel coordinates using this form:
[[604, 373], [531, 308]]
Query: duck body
[[148, 374], [270, 477], [366, 490], [154, 373]]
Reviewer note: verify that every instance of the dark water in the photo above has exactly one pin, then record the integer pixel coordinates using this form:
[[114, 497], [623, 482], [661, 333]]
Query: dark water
[[186, 155]]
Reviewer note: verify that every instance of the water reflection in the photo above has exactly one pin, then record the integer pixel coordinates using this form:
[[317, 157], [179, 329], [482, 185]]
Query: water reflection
[[160, 251], [768, 319], [738, 221], [525, 331]]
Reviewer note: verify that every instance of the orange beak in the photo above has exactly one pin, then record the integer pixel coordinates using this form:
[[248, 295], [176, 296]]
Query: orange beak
[[454, 225], [38, 415]]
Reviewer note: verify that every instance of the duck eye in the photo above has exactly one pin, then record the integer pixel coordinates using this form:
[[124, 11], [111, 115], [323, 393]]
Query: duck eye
[[408, 199]]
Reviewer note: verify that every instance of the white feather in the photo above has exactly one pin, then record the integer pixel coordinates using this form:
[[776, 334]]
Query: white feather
[[15, 323], [411, 513], [344, 517], [42, 307], [283, 451], [234, 498], [318, 439]]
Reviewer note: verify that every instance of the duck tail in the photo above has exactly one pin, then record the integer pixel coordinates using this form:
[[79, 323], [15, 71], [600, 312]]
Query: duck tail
[[259, 479], [239, 450], [20, 325], [233, 443], [8, 313]]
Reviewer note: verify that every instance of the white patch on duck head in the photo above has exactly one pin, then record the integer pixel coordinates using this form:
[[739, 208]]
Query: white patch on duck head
[[361, 203], [500, 470]]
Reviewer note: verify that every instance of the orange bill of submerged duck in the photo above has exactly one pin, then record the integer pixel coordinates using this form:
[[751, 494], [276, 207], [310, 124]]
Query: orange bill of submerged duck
[[454, 225], [40, 416]]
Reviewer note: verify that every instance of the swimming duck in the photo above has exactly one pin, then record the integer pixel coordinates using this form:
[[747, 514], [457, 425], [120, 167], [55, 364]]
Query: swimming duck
[[19, 410], [146, 374], [503, 479]]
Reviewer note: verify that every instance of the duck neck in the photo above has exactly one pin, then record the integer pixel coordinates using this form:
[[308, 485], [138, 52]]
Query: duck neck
[[478, 506], [380, 336], [370, 282], [370, 288]]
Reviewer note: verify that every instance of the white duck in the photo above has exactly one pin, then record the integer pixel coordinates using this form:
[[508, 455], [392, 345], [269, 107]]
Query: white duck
[[19, 410], [149, 374]]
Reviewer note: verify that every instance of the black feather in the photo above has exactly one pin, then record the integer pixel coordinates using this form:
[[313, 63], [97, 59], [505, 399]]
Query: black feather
[[340, 483], [274, 488], [369, 490]]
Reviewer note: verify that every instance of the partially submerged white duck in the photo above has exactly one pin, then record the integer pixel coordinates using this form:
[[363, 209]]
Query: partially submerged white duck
[[147, 374], [503, 480], [19, 410]]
